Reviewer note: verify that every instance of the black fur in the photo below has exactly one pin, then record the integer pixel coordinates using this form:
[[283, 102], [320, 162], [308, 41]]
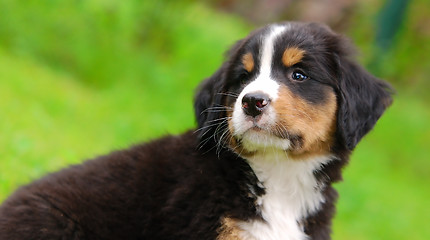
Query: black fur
[[180, 187], [363, 98], [161, 190]]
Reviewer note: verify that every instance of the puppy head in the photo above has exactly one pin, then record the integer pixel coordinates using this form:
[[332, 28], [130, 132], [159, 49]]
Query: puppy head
[[290, 87]]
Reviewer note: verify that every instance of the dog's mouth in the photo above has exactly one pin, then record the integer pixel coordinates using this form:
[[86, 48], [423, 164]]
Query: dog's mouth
[[275, 132], [257, 127], [258, 137]]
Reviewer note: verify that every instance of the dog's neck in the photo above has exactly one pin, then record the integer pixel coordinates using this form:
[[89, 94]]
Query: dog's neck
[[292, 194]]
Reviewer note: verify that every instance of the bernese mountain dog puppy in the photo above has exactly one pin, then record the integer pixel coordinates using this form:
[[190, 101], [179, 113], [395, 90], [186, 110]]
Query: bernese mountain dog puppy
[[276, 123]]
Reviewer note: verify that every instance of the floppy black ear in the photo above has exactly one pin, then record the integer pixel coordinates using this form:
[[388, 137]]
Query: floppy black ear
[[362, 100], [209, 104], [207, 101]]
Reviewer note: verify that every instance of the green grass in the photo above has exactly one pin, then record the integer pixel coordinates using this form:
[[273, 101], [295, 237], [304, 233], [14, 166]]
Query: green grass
[[385, 192], [80, 80]]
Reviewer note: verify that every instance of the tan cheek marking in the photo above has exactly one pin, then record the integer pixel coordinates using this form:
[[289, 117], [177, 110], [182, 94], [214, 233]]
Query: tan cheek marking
[[229, 230], [292, 56], [314, 123], [248, 62]]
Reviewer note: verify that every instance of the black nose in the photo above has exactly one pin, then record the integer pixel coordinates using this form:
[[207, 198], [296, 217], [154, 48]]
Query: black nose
[[253, 104]]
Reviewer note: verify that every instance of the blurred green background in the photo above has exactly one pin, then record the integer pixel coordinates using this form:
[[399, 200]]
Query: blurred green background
[[82, 78]]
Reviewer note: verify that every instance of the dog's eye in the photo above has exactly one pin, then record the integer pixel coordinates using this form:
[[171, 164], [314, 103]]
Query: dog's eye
[[299, 76]]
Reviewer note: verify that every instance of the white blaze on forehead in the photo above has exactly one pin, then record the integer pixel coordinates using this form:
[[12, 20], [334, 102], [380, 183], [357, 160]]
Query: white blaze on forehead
[[267, 54], [262, 83]]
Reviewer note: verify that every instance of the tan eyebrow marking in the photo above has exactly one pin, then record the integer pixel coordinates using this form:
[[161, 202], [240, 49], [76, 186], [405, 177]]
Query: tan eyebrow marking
[[248, 62], [292, 56]]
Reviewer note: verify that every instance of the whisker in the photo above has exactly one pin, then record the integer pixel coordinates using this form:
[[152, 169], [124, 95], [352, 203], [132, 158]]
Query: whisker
[[219, 119], [229, 94], [220, 125], [218, 109], [215, 111], [221, 140], [282, 130], [207, 126]]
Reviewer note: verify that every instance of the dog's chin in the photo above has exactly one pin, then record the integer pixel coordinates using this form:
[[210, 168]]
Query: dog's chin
[[257, 139]]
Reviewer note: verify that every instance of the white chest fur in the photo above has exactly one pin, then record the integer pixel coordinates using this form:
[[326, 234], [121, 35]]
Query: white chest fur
[[292, 193]]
